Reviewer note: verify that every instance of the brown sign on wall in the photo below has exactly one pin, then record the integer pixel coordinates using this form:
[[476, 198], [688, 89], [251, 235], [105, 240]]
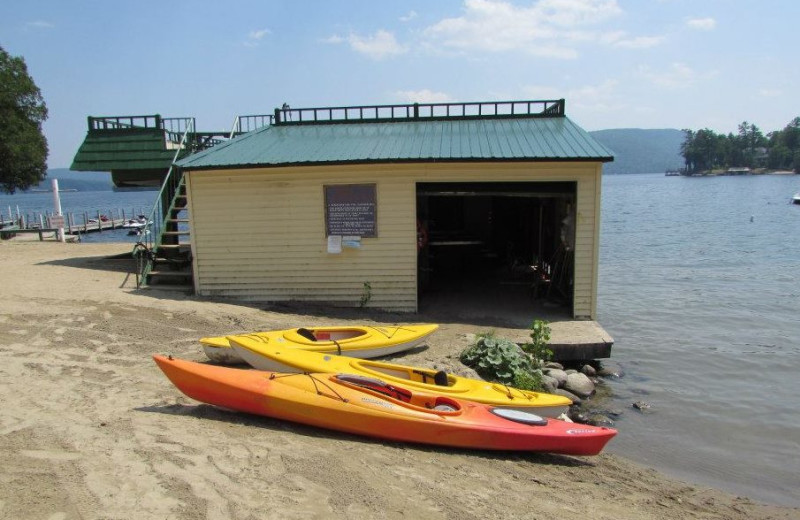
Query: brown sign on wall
[[351, 209]]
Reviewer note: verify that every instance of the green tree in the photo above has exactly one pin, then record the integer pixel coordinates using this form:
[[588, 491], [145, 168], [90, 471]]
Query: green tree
[[702, 150], [23, 147], [750, 139], [791, 135], [779, 157]]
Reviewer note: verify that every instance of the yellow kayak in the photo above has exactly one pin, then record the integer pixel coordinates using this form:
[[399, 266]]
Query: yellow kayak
[[273, 357], [350, 340]]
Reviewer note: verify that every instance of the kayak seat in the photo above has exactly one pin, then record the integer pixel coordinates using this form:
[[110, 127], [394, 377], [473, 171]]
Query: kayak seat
[[306, 334], [440, 378]]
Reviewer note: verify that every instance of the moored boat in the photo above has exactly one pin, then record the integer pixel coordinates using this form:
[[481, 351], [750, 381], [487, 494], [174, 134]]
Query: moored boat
[[350, 340], [136, 223], [796, 198], [275, 358], [374, 408]]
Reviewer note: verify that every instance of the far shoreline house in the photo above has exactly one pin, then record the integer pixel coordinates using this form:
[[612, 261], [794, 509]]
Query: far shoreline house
[[379, 206]]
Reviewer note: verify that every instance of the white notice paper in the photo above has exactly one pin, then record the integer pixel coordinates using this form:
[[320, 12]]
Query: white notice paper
[[352, 242], [335, 244]]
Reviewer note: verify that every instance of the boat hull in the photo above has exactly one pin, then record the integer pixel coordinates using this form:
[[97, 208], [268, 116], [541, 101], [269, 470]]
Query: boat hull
[[334, 402], [355, 341], [265, 356]]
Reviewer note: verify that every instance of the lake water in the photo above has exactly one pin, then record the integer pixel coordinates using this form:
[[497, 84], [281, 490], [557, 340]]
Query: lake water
[[90, 202], [700, 288]]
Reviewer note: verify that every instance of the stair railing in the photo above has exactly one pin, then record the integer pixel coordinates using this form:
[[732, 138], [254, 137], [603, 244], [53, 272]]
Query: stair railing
[[152, 233]]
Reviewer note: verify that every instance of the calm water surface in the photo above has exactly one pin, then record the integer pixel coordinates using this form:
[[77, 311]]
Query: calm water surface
[[80, 202], [700, 288]]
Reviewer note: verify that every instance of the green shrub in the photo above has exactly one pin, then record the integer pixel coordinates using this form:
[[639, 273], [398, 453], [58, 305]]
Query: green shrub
[[500, 360], [537, 348]]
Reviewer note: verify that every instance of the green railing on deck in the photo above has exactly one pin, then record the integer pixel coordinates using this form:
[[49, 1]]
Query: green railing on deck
[[146, 248], [244, 124], [419, 111], [173, 127]]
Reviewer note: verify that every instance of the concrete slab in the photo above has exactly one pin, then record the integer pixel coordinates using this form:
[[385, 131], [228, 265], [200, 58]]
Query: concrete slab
[[572, 340]]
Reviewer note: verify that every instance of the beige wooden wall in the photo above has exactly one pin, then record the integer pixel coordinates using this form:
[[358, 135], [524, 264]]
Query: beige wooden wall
[[259, 234]]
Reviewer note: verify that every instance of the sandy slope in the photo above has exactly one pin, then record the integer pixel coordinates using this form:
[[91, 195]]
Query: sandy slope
[[90, 428]]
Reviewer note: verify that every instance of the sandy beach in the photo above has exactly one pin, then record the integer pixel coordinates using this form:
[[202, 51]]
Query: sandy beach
[[90, 428]]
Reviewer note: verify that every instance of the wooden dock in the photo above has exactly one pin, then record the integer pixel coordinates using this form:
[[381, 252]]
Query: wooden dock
[[73, 225]]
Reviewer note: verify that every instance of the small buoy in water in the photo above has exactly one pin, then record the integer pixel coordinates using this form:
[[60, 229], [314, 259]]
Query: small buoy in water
[[751, 218]]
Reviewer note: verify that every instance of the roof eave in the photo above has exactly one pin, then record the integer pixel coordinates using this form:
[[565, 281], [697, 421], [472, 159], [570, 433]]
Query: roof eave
[[604, 159]]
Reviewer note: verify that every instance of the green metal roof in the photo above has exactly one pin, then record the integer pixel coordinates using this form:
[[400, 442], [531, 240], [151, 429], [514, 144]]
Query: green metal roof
[[137, 149], [447, 139]]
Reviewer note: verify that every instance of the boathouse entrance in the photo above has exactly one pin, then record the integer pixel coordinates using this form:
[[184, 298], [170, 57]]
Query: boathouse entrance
[[489, 239]]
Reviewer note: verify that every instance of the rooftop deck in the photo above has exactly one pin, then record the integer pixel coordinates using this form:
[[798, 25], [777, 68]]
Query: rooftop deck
[[139, 150]]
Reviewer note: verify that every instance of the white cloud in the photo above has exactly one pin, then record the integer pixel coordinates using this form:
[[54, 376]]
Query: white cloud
[[602, 97], [676, 76], [422, 96], [770, 92], [545, 28], [255, 37], [377, 46], [334, 39], [39, 24], [410, 16], [701, 24], [639, 42]]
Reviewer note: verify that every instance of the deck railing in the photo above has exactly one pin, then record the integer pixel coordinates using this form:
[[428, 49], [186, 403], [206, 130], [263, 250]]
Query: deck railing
[[419, 111], [244, 124], [173, 127]]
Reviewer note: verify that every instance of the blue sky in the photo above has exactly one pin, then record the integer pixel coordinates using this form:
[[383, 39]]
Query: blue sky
[[618, 63]]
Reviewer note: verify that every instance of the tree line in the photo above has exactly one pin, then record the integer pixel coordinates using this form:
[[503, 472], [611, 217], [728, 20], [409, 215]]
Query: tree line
[[705, 150]]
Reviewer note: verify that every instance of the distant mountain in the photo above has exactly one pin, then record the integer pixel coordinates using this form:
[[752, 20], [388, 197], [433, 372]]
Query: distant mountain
[[81, 181], [642, 151]]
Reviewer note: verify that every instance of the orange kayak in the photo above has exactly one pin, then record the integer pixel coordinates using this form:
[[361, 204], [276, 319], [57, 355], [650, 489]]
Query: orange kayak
[[371, 407]]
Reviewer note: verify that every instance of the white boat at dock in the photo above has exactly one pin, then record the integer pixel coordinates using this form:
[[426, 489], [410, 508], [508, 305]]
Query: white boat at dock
[[136, 223], [136, 226]]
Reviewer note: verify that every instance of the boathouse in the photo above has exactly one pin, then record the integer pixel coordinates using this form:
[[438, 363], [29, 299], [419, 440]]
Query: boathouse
[[379, 206]]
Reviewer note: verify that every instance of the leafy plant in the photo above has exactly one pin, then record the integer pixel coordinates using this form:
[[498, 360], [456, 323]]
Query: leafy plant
[[366, 294], [537, 348], [501, 360]]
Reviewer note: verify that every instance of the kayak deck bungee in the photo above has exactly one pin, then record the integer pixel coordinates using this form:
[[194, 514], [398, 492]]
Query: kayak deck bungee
[[366, 406], [349, 340], [267, 356]]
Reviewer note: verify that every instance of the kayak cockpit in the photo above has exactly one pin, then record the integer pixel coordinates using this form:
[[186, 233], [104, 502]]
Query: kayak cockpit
[[441, 405]]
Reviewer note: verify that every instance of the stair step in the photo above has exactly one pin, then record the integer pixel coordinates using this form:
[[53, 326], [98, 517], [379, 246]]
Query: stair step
[[173, 261], [178, 220], [176, 233], [172, 246], [171, 274]]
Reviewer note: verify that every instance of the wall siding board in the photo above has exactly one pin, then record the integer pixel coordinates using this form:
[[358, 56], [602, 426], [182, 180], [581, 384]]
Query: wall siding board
[[259, 234]]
